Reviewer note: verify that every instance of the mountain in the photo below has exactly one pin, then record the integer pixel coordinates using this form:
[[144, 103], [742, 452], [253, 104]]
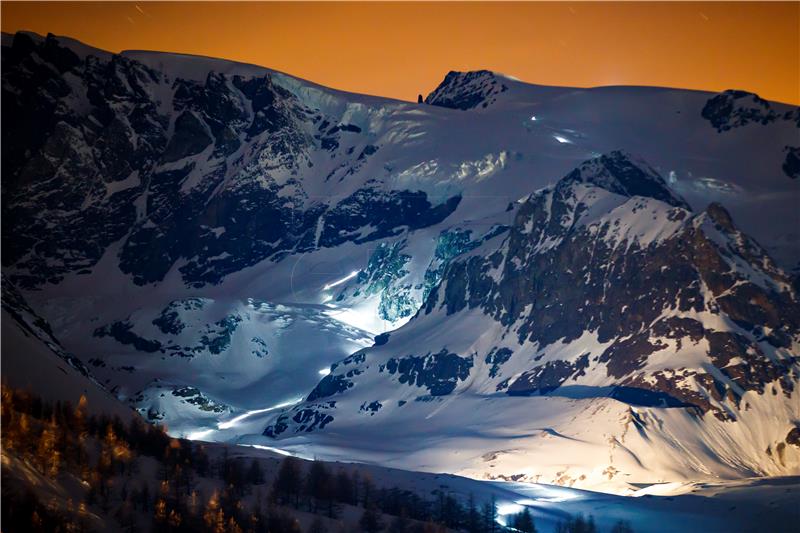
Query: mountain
[[557, 271], [605, 287]]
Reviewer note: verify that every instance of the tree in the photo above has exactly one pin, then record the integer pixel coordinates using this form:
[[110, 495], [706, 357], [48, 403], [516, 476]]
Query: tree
[[160, 512], [577, 525], [317, 526], [319, 486], [46, 453], [213, 517], [367, 488], [201, 461], [233, 526], [344, 488], [473, 517], [356, 487], [490, 516], [370, 520], [255, 475], [523, 521], [174, 519], [399, 525], [622, 526], [287, 483], [145, 497]]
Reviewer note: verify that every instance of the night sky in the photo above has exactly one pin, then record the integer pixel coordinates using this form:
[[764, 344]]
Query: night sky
[[402, 49]]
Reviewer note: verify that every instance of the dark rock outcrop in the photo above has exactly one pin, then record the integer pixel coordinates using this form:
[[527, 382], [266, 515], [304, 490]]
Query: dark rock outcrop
[[467, 90]]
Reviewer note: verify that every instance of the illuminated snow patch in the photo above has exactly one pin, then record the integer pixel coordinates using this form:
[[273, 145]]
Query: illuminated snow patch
[[235, 421], [351, 275], [363, 317], [199, 435], [549, 495], [509, 508], [324, 371], [562, 140], [268, 448], [506, 509]]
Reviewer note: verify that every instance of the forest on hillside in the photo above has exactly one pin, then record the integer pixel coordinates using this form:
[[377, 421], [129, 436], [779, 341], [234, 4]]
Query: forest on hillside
[[65, 470]]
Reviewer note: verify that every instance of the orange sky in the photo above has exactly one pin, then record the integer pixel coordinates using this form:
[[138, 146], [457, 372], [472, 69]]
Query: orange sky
[[401, 49]]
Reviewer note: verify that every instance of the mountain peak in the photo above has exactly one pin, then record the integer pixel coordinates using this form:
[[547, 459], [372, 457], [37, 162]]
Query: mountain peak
[[621, 173], [734, 108], [468, 90]]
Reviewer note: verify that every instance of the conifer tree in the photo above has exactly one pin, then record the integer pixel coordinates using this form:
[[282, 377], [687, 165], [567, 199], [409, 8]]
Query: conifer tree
[[622, 526], [288, 482], [255, 475], [524, 522], [370, 521]]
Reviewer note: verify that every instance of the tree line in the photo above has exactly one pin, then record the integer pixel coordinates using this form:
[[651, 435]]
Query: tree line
[[58, 439]]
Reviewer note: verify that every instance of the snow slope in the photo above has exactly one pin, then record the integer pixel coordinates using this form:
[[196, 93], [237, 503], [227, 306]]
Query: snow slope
[[34, 360]]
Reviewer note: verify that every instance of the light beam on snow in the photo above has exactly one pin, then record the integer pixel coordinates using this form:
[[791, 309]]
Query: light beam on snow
[[324, 371], [505, 509], [562, 140], [235, 421], [351, 275], [550, 495], [268, 448], [199, 435]]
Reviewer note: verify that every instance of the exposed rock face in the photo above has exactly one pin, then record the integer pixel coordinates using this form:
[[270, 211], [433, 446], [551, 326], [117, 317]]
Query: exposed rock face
[[81, 168], [791, 166], [439, 373], [733, 109], [793, 437], [213, 338], [633, 276], [390, 212], [203, 175], [467, 90], [618, 173]]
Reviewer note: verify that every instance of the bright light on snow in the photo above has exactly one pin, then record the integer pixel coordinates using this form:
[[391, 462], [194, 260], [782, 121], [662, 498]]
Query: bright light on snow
[[199, 435], [324, 371], [351, 275], [562, 140], [508, 508], [505, 509], [234, 421], [268, 448], [533, 118]]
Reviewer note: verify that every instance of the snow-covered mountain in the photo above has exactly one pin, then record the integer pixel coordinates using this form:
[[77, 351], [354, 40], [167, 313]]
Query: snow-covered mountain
[[606, 286], [209, 238]]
